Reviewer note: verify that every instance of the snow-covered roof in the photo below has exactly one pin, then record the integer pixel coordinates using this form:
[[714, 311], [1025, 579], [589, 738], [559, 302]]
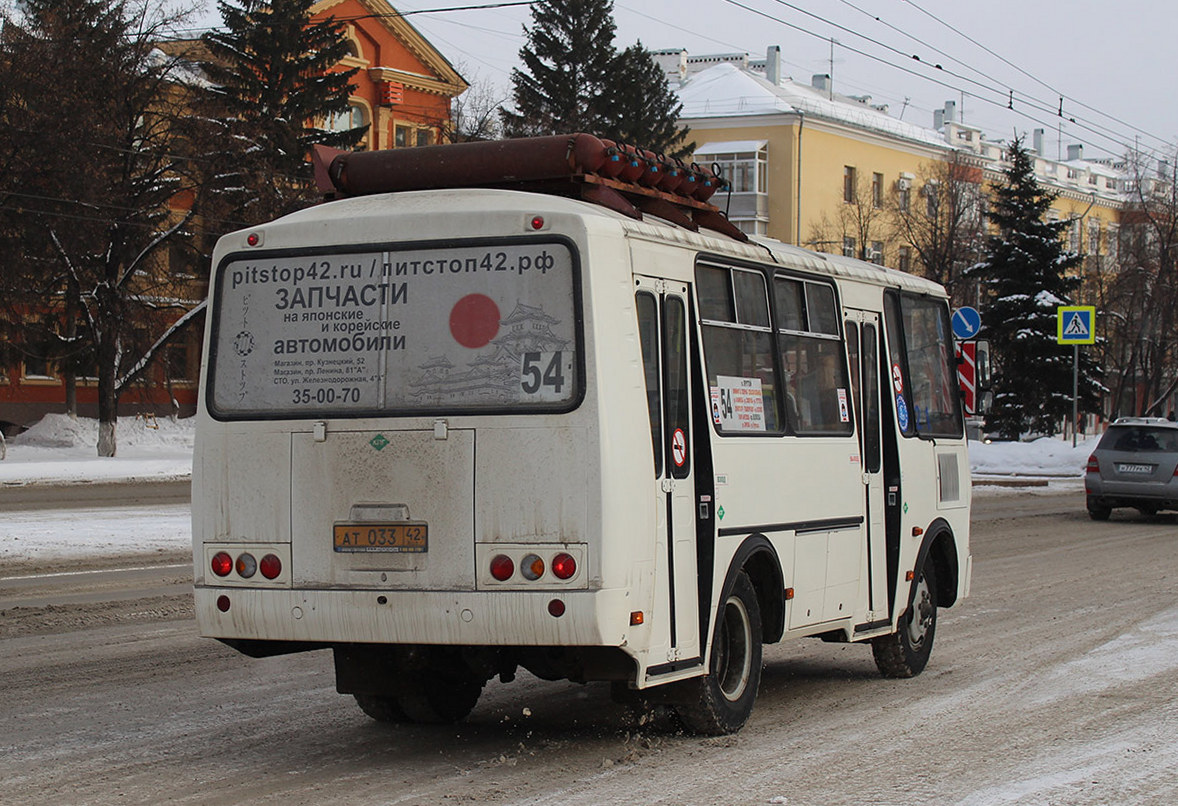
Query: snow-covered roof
[[730, 147], [1097, 168], [726, 90]]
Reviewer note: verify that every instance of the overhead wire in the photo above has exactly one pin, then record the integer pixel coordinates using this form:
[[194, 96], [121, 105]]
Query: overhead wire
[[1003, 104], [1025, 73], [1037, 104]]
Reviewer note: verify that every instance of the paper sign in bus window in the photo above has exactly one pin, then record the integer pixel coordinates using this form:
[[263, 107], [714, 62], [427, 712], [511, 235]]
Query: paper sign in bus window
[[739, 403]]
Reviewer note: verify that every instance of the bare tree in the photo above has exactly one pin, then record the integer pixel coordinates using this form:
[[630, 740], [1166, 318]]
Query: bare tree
[[89, 235], [856, 227], [1137, 293], [938, 215], [475, 114]]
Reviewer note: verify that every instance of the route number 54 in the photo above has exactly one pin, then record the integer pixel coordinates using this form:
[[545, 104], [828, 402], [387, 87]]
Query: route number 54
[[539, 370]]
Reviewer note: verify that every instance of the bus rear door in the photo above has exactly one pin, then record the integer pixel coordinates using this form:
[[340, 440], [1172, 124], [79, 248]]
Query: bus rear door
[[664, 328]]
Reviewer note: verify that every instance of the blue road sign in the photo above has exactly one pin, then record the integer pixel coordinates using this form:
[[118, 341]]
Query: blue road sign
[[966, 322], [1076, 324]]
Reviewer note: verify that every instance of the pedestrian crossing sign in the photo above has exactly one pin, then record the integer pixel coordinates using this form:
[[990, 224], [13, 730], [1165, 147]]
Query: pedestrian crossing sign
[[1076, 324]]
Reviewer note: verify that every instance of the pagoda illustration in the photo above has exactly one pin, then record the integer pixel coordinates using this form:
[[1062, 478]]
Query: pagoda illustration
[[494, 375]]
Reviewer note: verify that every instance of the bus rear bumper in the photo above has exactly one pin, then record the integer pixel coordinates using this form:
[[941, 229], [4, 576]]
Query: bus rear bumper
[[460, 618]]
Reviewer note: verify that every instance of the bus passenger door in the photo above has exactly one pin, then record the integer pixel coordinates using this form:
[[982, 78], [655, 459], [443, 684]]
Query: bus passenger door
[[863, 351], [663, 330]]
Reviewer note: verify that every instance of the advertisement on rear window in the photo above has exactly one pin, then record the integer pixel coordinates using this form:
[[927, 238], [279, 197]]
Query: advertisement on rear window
[[407, 331]]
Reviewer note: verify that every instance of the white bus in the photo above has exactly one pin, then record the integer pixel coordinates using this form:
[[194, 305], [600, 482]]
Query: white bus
[[451, 432]]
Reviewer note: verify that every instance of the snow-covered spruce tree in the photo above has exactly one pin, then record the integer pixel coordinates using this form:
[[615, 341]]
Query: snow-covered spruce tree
[[573, 80], [645, 110], [568, 58], [274, 90], [1023, 277]]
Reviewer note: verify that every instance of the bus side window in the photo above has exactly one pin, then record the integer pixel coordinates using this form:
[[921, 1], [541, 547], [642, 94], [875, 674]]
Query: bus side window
[[675, 383], [812, 357], [738, 349], [648, 335], [934, 393], [898, 363]]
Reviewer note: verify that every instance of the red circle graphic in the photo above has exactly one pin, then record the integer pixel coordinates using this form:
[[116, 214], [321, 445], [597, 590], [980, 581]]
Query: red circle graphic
[[474, 320]]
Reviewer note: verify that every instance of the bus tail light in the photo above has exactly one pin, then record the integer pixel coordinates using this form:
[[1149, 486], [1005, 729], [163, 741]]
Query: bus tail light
[[564, 566], [532, 567], [271, 566], [247, 565], [222, 563], [502, 567], [556, 608]]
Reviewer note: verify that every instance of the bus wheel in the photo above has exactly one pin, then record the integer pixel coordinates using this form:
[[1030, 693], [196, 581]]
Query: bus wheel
[[905, 652], [722, 700], [435, 699], [380, 708]]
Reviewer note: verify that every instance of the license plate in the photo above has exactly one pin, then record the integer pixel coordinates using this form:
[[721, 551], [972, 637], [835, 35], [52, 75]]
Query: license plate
[[404, 538], [1139, 469]]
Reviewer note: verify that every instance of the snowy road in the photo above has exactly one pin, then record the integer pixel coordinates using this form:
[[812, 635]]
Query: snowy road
[[1054, 684]]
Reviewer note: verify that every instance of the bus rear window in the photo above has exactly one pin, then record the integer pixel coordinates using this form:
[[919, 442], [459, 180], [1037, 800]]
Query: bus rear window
[[385, 330]]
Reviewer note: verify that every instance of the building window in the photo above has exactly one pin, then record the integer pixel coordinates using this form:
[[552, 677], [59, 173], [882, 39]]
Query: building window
[[877, 190], [848, 184], [37, 367], [1111, 244], [904, 259], [1110, 183], [932, 196], [425, 137], [904, 197], [355, 117], [848, 247], [401, 137], [1093, 237], [1074, 235], [178, 364], [876, 255], [747, 169]]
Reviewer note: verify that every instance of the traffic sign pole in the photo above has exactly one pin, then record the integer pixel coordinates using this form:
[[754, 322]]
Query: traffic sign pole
[[1076, 325], [1075, 390]]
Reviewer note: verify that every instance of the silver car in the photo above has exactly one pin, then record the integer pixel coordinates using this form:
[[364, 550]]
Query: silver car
[[1135, 464]]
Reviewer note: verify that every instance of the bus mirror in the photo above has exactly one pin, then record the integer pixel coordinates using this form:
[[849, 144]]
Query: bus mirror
[[985, 402], [982, 368]]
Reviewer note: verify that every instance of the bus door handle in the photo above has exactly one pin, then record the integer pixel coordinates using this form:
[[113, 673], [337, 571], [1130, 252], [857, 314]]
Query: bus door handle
[[668, 485]]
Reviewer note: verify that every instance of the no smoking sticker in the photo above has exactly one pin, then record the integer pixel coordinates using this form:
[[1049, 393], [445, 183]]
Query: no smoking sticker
[[897, 379], [679, 447]]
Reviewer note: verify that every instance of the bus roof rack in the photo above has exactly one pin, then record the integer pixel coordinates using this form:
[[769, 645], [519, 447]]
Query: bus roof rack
[[621, 177]]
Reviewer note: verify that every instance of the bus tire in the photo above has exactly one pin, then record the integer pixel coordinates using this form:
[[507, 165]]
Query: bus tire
[[905, 652], [439, 700], [720, 702], [380, 707]]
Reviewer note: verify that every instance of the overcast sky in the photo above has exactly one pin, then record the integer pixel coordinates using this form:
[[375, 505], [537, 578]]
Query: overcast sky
[[1112, 61]]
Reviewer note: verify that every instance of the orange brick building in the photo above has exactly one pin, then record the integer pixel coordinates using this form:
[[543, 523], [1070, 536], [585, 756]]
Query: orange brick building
[[404, 89]]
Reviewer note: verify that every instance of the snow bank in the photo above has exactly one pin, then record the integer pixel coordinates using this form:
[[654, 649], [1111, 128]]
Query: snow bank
[[61, 449], [1047, 456]]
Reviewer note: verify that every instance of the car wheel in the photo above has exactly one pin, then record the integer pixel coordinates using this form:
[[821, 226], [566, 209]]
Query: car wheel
[[1098, 512]]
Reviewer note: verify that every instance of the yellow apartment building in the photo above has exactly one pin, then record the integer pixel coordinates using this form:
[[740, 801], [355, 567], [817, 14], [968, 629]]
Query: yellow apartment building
[[812, 167]]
